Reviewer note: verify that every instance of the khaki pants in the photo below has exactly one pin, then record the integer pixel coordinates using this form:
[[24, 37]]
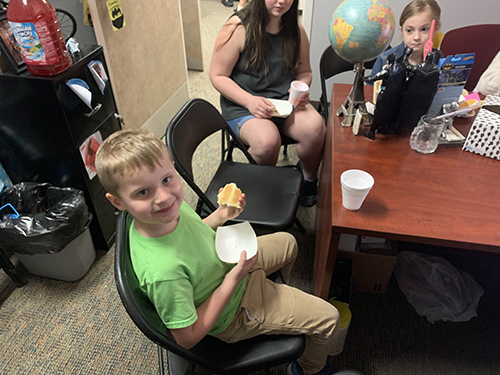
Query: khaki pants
[[268, 308]]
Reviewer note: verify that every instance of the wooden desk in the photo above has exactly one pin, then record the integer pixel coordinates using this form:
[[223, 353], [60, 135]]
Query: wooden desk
[[448, 198]]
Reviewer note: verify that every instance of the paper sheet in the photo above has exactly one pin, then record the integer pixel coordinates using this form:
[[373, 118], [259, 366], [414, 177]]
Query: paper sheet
[[88, 150]]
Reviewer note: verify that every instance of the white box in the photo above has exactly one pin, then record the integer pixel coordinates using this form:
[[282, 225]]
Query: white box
[[348, 242], [69, 264], [484, 135]]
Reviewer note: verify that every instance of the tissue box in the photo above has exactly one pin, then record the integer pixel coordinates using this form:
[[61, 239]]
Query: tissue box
[[484, 135]]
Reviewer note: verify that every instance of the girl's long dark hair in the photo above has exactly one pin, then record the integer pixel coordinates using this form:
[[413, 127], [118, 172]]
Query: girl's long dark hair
[[255, 17]]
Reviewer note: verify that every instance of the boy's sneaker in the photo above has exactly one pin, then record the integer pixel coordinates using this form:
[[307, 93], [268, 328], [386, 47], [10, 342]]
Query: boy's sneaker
[[295, 369], [228, 3], [309, 193]]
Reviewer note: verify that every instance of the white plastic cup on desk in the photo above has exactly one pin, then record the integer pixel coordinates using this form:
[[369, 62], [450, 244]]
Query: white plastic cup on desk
[[356, 184], [297, 91]]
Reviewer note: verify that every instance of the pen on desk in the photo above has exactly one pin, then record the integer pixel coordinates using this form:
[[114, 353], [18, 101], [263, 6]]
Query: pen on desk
[[454, 131], [452, 114]]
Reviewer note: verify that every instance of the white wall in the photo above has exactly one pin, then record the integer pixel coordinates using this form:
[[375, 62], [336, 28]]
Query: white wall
[[454, 14]]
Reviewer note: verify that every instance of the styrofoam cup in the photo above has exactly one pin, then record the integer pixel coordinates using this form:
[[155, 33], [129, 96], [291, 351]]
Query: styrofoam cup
[[297, 90], [356, 184]]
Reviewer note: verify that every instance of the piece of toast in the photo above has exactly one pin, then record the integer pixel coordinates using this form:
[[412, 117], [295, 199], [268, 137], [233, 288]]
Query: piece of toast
[[229, 195]]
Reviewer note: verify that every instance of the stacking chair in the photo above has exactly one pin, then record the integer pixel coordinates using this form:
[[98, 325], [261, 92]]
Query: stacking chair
[[211, 354], [482, 40], [330, 65], [229, 144], [272, 193], [10, 269]]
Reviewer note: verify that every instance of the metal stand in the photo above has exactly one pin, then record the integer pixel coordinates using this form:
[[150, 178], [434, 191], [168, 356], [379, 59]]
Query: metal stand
[[355, 100]]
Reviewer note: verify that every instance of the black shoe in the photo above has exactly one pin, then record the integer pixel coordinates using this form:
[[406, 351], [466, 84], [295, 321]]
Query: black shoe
[[228, 3], [309, 193]]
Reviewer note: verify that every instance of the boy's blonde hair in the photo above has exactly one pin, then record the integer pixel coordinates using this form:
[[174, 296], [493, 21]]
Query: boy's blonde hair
[[418, 6], [126, 151]]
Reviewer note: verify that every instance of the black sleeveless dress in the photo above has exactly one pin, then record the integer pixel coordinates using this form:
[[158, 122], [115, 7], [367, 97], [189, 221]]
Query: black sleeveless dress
[[274, 85]]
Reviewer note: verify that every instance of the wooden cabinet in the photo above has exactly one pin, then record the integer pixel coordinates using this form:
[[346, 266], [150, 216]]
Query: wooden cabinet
[[43, 123]]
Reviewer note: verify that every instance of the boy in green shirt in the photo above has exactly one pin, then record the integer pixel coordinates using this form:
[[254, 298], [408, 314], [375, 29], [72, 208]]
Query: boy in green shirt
[[174, 257]]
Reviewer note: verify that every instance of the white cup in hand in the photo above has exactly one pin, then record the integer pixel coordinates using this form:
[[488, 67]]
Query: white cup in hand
[[297, 90]]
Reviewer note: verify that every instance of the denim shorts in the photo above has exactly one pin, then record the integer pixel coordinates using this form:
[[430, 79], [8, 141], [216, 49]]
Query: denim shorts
[[237, 123]]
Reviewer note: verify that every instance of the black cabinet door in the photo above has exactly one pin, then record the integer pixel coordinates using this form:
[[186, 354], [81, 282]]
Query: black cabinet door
[[43, 123]]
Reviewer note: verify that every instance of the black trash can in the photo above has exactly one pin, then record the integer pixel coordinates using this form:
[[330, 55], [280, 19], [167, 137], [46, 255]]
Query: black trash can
[[50, 234]]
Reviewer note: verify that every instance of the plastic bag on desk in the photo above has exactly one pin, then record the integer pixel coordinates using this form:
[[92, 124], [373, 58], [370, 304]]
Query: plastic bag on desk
[[436, 289], [50, 217]]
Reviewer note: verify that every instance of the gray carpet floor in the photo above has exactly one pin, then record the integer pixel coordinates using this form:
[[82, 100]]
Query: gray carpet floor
[[56, 327]]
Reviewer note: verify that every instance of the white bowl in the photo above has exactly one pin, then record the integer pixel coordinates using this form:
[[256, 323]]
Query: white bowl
[[283, 107], [230, 241]]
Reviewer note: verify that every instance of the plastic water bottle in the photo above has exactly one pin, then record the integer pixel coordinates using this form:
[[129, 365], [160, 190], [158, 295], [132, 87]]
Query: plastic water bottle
[[38, 33]]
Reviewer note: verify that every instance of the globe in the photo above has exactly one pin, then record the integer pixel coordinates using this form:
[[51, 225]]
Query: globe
[[360, 30]]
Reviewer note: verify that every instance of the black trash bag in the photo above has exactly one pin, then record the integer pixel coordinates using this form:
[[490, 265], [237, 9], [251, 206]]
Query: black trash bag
[[50, 217]]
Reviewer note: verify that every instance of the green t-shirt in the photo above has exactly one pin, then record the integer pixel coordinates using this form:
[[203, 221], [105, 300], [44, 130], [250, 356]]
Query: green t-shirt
[[179, 271]]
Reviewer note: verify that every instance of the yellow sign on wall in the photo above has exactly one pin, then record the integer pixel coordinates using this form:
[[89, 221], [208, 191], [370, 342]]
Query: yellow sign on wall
[[116, 14]]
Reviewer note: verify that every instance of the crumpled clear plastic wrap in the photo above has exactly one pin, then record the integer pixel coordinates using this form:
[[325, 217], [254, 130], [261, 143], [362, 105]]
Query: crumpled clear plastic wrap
[[436, 289]]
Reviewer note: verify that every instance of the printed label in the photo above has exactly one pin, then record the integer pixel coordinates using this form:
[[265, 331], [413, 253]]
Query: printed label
[[35, 42]]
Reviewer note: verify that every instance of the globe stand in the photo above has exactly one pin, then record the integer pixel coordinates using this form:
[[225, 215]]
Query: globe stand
[[355, 100]]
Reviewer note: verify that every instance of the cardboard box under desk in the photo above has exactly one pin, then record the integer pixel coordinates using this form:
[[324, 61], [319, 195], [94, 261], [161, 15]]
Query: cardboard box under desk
[[371, 272]]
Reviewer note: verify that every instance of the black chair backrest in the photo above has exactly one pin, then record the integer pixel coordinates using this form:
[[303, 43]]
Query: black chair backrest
[[330, 65], [195, 121], [138, 306], [199, 120]]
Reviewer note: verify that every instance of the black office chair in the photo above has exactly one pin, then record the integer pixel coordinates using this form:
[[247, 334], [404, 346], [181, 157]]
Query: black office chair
[[330, 65], [272, 193], [211, 354]]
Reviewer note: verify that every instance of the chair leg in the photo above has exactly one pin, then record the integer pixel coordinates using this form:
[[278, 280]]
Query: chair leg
[[300, 226], [10, 269], [160, 361]]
